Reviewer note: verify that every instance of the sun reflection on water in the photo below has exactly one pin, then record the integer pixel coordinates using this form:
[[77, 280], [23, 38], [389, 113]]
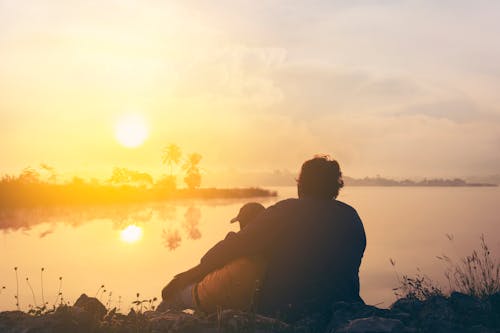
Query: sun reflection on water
[[131, 234]]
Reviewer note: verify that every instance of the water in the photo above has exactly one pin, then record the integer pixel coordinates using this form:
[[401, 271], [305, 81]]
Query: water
[[85, 246]]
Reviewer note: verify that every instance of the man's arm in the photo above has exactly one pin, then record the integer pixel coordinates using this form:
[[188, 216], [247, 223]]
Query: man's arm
[[253, 239], [186, 278], [182, 280]]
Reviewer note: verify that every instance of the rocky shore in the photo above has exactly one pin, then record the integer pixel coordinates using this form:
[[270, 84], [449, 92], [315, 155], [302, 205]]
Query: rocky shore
[[457, 313]]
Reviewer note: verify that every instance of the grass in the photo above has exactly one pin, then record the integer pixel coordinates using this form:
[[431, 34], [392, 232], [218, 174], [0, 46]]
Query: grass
[[17, 289], [138, 306], [59, 295], [477, 275], [143, 305], [104, 296], [35, 308], [419, 286]]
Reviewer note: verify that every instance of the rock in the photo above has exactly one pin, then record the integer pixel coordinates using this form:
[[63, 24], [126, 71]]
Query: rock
[[343, 312], [372, 325], [92, 305], [229, 320], [10, 319], [494, 301], [316, 322], [458, 313], [403, 316], [172, 321], [408, 305], [437, 315], [480, 329], [65, 319], [469, 310]]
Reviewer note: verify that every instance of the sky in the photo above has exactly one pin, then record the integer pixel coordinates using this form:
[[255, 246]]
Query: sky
[[392, 88]]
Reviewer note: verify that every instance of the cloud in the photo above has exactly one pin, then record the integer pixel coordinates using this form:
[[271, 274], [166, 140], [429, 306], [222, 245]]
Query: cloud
[[311, 90], [236, 75], [457, 110]]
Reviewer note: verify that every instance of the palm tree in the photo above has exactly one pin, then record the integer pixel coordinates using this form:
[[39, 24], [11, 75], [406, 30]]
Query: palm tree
[[193, 176], [171, 156]]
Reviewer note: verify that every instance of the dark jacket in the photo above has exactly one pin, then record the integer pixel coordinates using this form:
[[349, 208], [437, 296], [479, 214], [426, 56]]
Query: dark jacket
[[314, 250]]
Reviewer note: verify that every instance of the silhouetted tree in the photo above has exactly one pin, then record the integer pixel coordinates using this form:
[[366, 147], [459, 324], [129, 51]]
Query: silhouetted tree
[[50, 171], [167, 183], [171, 156], [29, 176], [193, 175], [124, 176]]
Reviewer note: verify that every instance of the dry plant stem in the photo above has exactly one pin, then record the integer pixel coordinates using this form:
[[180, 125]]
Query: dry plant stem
[[98, 290], [59, 292], [41, 283], [108, 303], [477, 275], [32, 292], [17, 289]]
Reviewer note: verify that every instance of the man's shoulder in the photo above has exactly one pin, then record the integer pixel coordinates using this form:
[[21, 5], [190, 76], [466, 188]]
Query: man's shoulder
[[285, 205], [286, 202], [292, 202], [347, 208], [230, 235]]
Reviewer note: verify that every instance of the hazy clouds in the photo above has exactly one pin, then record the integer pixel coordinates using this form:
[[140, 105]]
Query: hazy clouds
[[398, 88]]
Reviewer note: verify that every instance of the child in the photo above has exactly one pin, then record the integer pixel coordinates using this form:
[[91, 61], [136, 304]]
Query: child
[[232, 286]]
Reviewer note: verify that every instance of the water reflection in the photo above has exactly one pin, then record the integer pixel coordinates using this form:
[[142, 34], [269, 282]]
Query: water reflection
[[121, 216], [85, 245], [192, 221], [171, 239], [131, 234], [47, 232], [129, 220], [23, 219]]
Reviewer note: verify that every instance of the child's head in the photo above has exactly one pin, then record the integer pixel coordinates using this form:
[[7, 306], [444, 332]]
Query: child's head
[[248, 212]]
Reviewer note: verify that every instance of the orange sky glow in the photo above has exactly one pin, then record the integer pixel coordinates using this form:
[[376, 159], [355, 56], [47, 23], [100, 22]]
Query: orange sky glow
[[401, 89]]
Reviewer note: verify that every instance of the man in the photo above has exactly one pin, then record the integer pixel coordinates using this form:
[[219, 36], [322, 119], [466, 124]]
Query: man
[[313, 246]]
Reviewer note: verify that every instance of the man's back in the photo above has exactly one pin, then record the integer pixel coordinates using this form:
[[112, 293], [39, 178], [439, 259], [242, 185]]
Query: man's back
[[314, 249], [315, 258]]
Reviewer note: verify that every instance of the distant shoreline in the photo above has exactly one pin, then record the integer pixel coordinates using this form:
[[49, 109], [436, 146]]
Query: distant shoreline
[[17, 194], [420, 185], [48, 195], [436, 182]]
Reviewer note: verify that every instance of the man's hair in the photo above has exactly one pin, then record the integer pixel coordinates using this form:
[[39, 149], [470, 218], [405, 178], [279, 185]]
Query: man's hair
[[320, 178]]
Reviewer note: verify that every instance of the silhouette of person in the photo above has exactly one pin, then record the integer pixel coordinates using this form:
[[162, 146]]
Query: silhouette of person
[[313, 247]]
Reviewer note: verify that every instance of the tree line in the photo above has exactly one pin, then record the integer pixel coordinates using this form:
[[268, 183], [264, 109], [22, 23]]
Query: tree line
[[172, 157]]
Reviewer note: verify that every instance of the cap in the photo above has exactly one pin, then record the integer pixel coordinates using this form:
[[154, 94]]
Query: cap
[[248, 212]]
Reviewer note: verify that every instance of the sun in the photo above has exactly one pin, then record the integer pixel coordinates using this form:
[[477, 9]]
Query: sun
[[131, 234], [131, 130]]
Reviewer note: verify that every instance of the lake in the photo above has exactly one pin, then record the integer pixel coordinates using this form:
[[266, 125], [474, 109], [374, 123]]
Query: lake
[[88, 246]]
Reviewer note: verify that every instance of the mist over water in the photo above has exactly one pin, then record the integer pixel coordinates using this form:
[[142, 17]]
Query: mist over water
[[86, 248]]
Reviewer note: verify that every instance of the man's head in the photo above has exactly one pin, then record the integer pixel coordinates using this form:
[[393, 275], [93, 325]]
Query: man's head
[[320, 178], [247, 213]]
